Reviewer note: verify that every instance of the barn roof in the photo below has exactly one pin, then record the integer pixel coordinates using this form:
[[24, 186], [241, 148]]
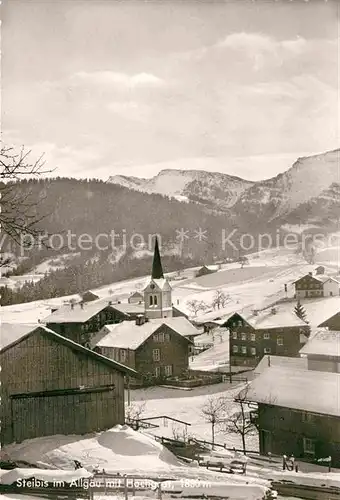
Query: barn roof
[[297, 389], [127, 308], [11, 332], [75, 347], [128, 335], [277, 361], [77, 314], [323, 343]]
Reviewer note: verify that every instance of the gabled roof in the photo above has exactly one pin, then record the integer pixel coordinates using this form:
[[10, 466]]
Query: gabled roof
[[266, 319], [161, 283], [11, 332], [136, 294], [321, 278], [298, 389], [78, 314], [128, 335], [323, 343], [75, 347], [280, 361], [127, 308]]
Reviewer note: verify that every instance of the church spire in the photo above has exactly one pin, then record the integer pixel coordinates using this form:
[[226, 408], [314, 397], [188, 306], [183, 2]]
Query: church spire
[[157, 271]]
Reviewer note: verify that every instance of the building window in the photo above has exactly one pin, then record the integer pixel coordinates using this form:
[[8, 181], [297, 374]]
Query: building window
[[267, 350], [306, 417], [168, 370], [244, 350], [123, 355], [243, 336], [280, 340], [161, 337], [157, 371], [252, 337], [155, 300], [167, 337], [155, 337], [266, 336], [253, 351], [235, 349], [235, 335], [151, 300], [239, 323], [156, 355], [331, 294], [309, 446]]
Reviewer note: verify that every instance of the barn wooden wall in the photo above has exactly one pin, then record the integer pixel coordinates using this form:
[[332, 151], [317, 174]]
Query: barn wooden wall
[[40, 364]]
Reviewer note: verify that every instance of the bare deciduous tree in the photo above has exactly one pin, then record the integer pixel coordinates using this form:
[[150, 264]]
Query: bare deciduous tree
[[195, 306], [134, 412], [220, 299], [214, 411], [18, 216], [239, 422]]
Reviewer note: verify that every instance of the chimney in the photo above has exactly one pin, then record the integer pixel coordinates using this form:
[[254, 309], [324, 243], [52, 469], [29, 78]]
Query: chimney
[[177, 301], [140, 320], [273, 310], [310, 273], [82, 305], [255, 312], [110, 303], [72, 305]]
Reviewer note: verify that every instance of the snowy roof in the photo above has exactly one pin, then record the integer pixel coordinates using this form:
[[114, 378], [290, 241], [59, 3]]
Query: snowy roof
[[322, 278], [277, 361], [78, 314], [129, 308], [128, 335], [317, 310], [266, 319], [74, 346], [297, 389], [160, 282], [11, 332], [323, 343]]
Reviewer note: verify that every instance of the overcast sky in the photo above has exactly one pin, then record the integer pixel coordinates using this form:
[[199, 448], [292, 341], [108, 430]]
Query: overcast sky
[[110, 87]]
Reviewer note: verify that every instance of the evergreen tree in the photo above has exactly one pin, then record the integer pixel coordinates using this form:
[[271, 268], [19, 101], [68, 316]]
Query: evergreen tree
[[300, 312]]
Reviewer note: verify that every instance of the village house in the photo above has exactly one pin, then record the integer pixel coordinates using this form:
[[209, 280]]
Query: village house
[[51, 385], [316, 286], [156, 348], [136, 298], [254, 334], [158, 343], [80, 321], [204, 270], [298, 412], [88, 296]]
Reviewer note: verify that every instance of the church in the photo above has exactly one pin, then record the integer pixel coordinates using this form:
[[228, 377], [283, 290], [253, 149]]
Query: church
[[158, 343]]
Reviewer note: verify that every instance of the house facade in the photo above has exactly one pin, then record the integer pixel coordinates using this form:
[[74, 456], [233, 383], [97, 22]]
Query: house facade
[[298, 412], [306, 435], [79, 322], [310, 286], [255, 335], [323, 351], [155, 349], [204, 270], [51, 385]]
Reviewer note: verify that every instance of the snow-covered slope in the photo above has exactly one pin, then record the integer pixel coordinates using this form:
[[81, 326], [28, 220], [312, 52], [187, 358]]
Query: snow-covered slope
[[209, 188]]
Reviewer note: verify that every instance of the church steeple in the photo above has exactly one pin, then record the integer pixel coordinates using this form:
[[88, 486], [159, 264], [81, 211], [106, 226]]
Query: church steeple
[[157, 270], [157, 294]]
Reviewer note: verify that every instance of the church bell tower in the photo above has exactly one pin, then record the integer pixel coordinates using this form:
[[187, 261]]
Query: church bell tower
[[157, 293]]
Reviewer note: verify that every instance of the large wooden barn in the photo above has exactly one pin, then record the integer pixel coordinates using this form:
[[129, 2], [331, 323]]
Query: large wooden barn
[[51, 385]]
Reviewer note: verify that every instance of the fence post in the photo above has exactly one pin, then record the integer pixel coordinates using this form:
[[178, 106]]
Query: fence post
[[133, 487], [159, 491]]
